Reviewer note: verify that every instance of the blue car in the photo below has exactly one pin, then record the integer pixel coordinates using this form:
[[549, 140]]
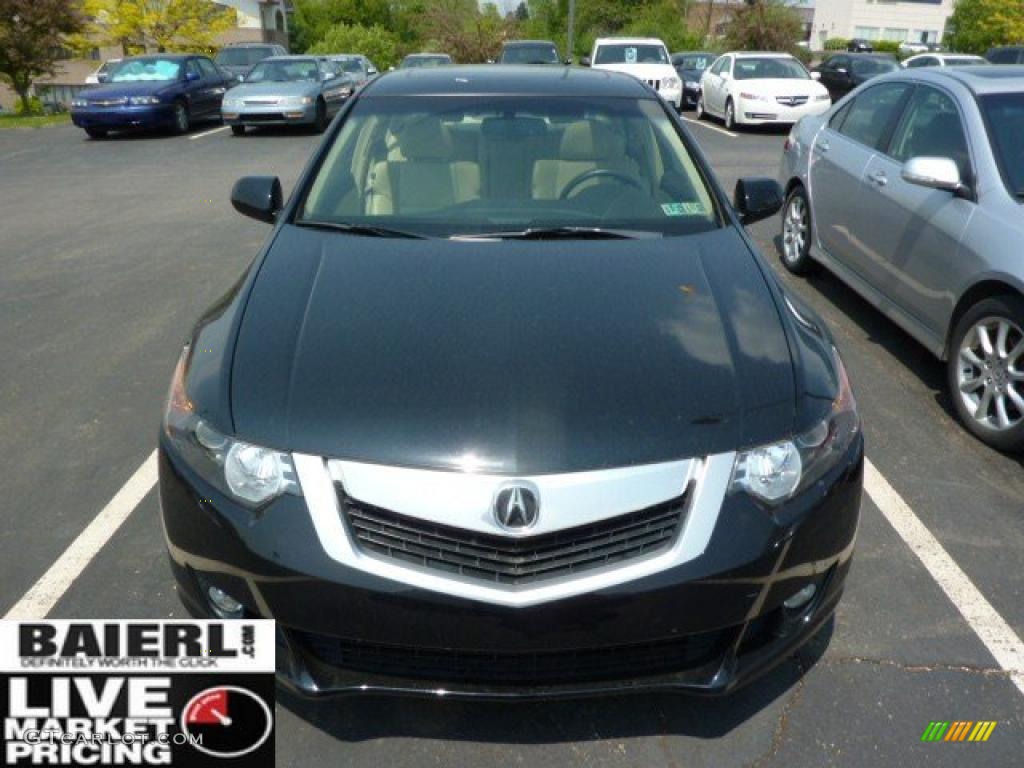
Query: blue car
[[162, 91]]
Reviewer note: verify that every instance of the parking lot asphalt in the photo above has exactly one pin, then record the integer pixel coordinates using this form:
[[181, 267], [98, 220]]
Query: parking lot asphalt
[[109, 250]]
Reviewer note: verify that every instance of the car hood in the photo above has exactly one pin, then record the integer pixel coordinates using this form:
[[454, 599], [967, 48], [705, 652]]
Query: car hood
[[127, 90], [642, 71], [520, 357], [273, 90], [782, 87]]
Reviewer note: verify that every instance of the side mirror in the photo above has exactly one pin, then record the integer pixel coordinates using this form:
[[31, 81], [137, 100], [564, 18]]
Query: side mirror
[[585, 61], [102, 77], [815, 75], [259, 197], [841, 71], [191, 77], [568, 61], [933, 172], [726, 75], [756, 199], [371, 71]]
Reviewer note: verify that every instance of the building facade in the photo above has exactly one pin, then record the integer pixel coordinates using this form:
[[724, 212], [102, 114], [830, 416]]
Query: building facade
[[921, 21]]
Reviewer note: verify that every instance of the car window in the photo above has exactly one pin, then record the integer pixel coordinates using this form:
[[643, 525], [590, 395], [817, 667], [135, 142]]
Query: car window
[[836, 121], [1005, 56], [207, 68], [530, 54], [283, 70], [243, 57], [873, 67], [769, 68], [923, 61], [873, 113], [931, 127], [135, 70], [1004, 118], [697, 63], [964, 61], [434, 165], [631, 53], [353, 66], [426, 61]]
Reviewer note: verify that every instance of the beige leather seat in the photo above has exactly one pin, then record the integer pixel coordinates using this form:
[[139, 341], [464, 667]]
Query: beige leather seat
[[586, 146], [426, 178]]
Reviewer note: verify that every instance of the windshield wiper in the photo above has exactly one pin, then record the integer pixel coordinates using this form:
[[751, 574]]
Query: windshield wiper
[[562, 233], [360, 230]]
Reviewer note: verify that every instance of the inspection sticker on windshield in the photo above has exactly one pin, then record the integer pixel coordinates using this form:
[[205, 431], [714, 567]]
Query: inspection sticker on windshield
[[682, 209], [631, 55]]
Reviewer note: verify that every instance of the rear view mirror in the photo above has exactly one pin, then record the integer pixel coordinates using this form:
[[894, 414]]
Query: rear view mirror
[[933, 172], [756, 199], [259, 197]]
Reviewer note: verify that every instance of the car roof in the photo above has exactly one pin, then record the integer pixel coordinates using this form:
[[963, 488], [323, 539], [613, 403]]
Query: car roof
[[297, 57], [514, 79], [514, 43], [635, 40], [172, 56], [695, 53], [980, 79]]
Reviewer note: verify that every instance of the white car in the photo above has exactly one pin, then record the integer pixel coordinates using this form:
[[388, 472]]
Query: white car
[[645, 58], [760, 88], [944, 60]]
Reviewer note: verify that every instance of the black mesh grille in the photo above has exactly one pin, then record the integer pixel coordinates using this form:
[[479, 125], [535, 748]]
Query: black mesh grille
[[618, 662], [505, 560]]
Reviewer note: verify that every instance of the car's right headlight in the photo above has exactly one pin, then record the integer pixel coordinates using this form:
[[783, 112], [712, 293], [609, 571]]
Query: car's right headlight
[[250, 473], [777, 471]]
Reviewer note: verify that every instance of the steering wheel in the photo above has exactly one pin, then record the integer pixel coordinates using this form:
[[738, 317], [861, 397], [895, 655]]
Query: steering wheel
[[600, 173]]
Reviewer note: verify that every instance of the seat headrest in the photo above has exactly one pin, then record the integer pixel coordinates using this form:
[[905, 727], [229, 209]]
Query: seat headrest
[[590, 140], [425, 139]]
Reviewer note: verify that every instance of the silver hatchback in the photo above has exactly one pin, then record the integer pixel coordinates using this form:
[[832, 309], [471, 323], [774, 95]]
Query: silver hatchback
[[911, 190]]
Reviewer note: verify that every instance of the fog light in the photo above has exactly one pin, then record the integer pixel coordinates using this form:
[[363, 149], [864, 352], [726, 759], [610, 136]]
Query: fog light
[[801, 598], [223, 604]]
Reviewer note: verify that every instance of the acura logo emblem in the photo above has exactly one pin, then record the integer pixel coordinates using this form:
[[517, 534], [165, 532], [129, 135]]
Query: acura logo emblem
[[516, 507]]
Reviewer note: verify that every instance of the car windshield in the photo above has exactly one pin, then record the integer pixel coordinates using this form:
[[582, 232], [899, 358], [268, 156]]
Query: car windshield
[[697, 63], [443, 166], [873, 67], [769, 68], [425, 61], [136, 70], [1004, 114], [281, 71], [351, 65], [243, 57], [530, 54], [631, 53], [964, 61]]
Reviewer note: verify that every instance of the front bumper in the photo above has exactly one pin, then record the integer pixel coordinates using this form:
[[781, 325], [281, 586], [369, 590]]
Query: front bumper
[[707, 626], [273, 114], [123, 117], [691, 96], [754, 112]]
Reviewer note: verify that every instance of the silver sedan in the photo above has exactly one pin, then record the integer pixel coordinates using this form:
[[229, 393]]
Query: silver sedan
[[910, 190], [288, 90]]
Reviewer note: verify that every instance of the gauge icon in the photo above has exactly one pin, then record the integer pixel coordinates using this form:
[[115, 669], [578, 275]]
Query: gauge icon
[[227, 721]]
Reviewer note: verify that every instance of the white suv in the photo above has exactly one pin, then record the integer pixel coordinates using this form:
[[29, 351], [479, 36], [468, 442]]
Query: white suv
[[645, 58]]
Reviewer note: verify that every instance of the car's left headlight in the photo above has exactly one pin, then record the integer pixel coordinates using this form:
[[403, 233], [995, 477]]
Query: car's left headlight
[[252, 474], [231, 104], [671, 82], [138, 101], [753, 96], [297, 101], [777, 471]]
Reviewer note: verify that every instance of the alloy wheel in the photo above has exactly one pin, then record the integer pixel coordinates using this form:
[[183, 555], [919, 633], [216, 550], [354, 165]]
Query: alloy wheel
[[990, 373], [795, 230], [730, 117]]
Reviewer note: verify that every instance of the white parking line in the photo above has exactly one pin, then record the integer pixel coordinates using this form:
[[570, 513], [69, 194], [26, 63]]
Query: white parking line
[[710, 127], [1000, 639], [210, 132], [45, 593]]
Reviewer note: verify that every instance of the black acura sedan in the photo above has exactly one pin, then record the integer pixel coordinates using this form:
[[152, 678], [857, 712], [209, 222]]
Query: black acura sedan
[[508, 405]]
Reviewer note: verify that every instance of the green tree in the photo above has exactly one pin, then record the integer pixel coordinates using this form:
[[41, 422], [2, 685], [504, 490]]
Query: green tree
[[31, 33], [977, 25], [764, 25], [166, 25], [313, 18], [462, 28], [665, 19], [374, 42]]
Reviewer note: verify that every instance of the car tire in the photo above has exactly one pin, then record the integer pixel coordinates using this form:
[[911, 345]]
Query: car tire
[[698, 111], [238, 130], [96, 133], [987, 385], [796, 232], [730, 116], [321, 122], [182, 119]]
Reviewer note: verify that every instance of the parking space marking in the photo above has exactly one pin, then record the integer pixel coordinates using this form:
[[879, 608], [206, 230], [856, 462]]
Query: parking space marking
[[710, 127], [210, 132], [991, 628], [45, 593]]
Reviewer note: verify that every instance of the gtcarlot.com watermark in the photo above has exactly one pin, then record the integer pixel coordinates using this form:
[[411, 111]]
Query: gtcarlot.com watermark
[[192, 693]]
